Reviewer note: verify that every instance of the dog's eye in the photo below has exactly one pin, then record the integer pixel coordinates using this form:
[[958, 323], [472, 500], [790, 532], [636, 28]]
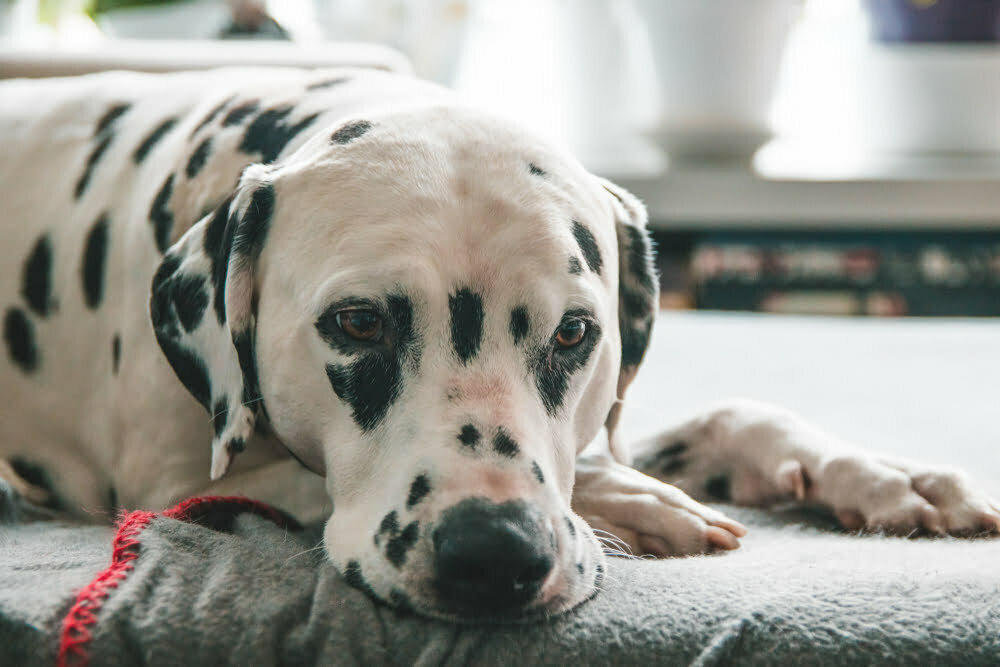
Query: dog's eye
[[571, 332], [364, 325]]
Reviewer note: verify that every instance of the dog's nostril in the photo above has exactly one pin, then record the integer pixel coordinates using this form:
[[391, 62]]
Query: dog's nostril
[[490, 558]]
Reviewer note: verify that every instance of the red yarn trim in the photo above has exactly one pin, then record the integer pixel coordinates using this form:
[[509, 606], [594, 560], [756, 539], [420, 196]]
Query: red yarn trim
[[76, 634], [83, 614]]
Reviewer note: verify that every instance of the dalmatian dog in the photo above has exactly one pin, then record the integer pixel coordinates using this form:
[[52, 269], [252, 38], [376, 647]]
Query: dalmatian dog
[[351, 295]]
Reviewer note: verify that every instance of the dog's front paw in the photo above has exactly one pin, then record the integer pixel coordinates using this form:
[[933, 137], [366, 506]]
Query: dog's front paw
[[637, 514], [901, 499]]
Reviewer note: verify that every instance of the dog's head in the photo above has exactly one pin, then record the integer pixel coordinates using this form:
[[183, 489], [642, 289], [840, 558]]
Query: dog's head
[[437, 312]]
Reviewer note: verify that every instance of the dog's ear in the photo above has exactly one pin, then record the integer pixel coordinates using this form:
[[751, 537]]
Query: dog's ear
[[202, 310], [638, 299]]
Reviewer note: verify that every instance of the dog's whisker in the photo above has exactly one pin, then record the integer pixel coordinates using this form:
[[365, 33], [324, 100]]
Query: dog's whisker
[[610, 538], [318, 547], [252, 400]]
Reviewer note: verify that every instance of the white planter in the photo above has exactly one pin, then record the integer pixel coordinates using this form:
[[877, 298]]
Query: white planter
[[717, 63]]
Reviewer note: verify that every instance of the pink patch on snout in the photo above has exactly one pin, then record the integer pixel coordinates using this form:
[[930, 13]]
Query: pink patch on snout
[[490, 394], [496, 485]]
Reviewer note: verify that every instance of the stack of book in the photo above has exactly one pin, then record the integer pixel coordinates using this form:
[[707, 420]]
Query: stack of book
[[923, 274]]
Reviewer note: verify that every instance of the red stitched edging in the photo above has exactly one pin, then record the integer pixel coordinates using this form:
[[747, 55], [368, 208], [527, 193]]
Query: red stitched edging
[[76, 634], [83, 614]]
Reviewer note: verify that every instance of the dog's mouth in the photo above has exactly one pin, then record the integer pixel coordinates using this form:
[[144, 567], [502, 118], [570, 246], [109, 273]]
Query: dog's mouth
[[485, 562]]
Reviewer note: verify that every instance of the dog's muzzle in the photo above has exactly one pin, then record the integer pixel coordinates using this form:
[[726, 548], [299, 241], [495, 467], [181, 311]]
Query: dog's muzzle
[[491, 558]]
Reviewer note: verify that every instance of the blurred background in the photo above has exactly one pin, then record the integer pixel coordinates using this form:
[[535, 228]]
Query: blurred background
[[806, 156]]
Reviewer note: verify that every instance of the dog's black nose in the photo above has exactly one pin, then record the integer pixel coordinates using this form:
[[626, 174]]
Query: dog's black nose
[[490, 558]]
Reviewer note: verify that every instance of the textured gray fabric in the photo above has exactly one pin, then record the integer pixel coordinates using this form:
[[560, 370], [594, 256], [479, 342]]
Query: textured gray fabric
[[797, 592]]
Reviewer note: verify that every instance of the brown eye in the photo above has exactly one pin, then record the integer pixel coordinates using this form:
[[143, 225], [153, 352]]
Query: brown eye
[[363, 325], [571, 332]]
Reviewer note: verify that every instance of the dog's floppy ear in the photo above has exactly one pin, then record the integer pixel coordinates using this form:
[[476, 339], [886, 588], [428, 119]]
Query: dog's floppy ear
[[202, 310], [638, 299]]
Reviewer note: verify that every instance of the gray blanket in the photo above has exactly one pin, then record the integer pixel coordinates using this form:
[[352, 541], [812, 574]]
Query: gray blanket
[[798, 591]]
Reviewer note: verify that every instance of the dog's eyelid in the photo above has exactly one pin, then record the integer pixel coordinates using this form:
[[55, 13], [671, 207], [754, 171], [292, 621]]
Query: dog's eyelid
[[582, 314]]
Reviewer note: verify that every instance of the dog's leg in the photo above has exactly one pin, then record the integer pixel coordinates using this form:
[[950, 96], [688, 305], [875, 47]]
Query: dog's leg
[[634, 513], [752, 453]]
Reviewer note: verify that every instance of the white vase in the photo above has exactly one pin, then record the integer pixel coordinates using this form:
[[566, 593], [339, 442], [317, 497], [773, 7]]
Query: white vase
[[717, 64]]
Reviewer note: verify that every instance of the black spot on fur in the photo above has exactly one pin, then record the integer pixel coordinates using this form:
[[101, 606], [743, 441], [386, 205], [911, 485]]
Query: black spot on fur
[[217, 243], [505, 445], [575, 268], [177, 298], [351, 131], [405, 338], [537, 469], [268, 134], [240, 112], [599, 576], [160, 301], [588, 246], [199, 158], [212, 114], [466, 323], [535, 169], [637, 301], [36, 279], [95, 255], [469, 435], [520, 323], [161, 216], [370, 385], [420, 487], [188, 366], [579, 568], [675, 449], [110, 116], [718, 488], [190, 299], [236, 446], [400, 600], [671, 466], [328, 83], [220, 415], [354, 578], [104, 135], [116, 353], [152, 139], [88, 169], [554, 367], [253, 228], [388, 526], [19, 334], [570, 526], [635, 340], [640, 263], [400, 545], [247, 356]]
